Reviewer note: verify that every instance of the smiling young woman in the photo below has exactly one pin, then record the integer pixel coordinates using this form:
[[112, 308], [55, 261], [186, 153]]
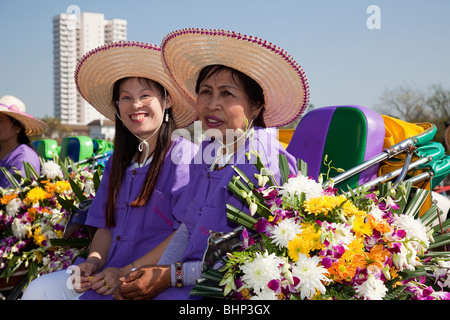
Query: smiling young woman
[[132, 209]]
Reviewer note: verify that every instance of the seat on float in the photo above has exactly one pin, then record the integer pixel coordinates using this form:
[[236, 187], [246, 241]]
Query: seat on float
[[347, 135], [77, 148], [46, 148]]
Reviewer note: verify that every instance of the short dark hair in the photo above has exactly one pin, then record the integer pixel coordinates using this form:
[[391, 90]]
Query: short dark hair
[[253, 90]]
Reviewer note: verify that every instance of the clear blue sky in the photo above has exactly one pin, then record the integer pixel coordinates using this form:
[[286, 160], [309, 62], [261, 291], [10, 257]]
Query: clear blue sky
[[345, 62]]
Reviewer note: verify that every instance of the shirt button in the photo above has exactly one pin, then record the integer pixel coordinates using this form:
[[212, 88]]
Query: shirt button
[[118, 238]]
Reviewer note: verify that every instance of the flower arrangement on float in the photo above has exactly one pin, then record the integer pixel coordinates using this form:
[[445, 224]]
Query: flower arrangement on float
[[34, 213], [303, 241]]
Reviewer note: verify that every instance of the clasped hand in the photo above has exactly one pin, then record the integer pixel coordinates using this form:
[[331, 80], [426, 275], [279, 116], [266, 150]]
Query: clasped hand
[[144, 283], [103, 282]]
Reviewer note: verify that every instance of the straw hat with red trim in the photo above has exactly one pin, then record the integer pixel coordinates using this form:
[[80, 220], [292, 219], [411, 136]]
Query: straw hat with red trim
[[186, 52], [15, 108], [98, 70]]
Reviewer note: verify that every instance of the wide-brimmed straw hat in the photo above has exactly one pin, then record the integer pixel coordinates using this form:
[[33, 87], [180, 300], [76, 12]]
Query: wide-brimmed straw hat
[[99, 69], [186, 52], [15, 108]]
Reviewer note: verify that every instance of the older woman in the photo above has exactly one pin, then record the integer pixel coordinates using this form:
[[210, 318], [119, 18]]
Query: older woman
[[241, 85], [15, 147]]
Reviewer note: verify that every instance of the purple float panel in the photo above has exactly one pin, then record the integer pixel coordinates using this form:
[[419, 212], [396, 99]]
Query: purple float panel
[[375, 140], [309, 139]]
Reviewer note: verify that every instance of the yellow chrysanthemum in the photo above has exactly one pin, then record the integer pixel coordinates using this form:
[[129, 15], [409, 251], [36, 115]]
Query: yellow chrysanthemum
[[362, 227], [305, 242], [350, 210], [38, 256], [59, 233], [35, 195], [62, 186], [7, 198], [354, 248], [323, 204], [295, 247], [38, 236]]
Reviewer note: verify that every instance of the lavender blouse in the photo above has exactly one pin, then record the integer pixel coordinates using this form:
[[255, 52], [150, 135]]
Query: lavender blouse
[[139, 229], [15, 159], [202, 207]]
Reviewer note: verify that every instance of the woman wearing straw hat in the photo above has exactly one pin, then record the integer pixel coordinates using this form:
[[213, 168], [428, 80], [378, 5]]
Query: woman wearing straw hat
[[241, 85], [127, 82], [15, 147]]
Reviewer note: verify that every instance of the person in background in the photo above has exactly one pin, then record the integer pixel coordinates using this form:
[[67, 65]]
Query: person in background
[[15, 128]]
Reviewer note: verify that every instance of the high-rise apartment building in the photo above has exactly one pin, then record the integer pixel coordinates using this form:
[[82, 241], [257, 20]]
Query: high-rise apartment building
[[73, 37]]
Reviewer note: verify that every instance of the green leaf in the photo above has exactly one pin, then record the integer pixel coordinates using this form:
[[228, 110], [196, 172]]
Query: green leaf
[[77, 190], [445, 226], [440, 240], [244, 177], [64, 168], [240, 217], [209, 291], [96, 179], [30, 171], [437, 254], [213, 275], [430, 215], [284, 168], [302, 167], [10, 178], [408, 274], [66, 204], [416, 202]]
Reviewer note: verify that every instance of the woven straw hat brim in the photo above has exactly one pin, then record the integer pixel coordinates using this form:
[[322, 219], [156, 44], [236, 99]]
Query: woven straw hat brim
[[98, 70], [33, 126], [186, 52]]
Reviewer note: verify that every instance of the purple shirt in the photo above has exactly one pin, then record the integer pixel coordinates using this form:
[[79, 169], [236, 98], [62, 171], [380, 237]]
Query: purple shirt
[[203, 205], [140, 229], [15, 159]]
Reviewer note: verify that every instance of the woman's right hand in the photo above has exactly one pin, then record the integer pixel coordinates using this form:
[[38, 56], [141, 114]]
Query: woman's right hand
[[87, 269]]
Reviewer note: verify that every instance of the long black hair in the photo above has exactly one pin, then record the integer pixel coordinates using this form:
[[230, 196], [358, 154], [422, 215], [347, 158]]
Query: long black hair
[[125, 146]]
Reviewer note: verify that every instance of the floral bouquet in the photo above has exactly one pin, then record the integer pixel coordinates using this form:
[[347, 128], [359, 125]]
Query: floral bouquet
[[304, 241], [35, 212]]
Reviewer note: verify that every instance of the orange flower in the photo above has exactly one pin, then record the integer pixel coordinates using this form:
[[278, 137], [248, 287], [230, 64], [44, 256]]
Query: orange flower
[[381, 226], [374, 259], [32, 213], [342, 271], [50, 187], [7, 198]]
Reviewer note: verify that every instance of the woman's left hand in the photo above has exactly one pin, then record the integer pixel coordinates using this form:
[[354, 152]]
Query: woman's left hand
[[106, 281]]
